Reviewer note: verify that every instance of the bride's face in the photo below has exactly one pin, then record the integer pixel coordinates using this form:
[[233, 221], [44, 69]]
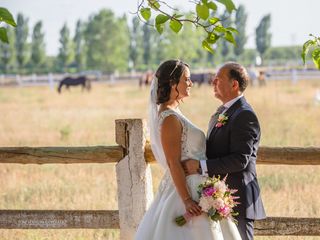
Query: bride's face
[[184, 85]]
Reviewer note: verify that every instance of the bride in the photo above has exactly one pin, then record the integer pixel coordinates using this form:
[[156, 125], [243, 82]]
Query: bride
[[174, 139]]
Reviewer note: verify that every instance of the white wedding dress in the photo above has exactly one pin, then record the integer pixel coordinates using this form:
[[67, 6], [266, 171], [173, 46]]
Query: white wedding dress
[[159, 221]]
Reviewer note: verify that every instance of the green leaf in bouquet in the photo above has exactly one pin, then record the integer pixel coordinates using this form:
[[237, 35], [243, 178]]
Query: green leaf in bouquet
[[180, 221], [175, 25], [202, 11], [145, 13], [211, 211], [6, 16]]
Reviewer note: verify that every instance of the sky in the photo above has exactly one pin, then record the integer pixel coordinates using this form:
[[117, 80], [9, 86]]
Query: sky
[[291, 20]]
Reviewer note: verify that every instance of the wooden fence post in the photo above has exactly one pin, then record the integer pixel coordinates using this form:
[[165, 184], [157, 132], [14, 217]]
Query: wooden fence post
[[134, 178]]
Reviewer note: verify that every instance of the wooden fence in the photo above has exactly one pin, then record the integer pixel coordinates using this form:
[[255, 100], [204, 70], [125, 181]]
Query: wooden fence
[[133, 157]]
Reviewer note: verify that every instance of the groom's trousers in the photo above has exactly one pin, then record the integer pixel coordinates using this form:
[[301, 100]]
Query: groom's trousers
[[246, 228]]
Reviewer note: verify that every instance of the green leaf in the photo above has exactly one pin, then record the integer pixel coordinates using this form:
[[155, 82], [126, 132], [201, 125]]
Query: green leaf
[[229, 37], [220, 29], [177, 15], [154, 4], [159, 28], [214, 20], [6, 16], [232, 30], [202, 11], [229, 5], [212, 38], [204, 2], [175, 25], [316, 57], [212, 6], [145, 13], [305, 49], [161, 18], [3, 35], [207, 46]]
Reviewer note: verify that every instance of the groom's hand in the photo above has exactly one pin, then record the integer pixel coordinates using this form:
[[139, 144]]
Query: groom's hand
[[191, 166]]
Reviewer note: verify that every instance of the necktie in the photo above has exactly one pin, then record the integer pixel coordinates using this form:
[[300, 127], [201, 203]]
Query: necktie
[[214, 118]]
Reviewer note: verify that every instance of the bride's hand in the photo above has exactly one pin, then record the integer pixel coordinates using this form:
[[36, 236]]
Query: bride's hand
[[192, 207]]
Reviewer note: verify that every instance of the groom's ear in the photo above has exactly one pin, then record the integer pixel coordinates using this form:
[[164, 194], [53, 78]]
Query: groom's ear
[[235, 84]]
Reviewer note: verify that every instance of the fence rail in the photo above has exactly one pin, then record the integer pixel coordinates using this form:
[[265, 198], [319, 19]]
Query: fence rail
[[109, 219], [112, 154], [133, 155]]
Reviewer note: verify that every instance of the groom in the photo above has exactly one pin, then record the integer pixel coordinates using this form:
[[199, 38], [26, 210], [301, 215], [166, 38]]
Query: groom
[[232, 144]]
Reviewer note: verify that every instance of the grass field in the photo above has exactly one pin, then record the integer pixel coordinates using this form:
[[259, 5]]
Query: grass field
[[37, 116]]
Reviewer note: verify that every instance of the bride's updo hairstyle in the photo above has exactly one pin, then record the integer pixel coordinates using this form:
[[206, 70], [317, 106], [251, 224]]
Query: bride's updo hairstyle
[[168, 74]]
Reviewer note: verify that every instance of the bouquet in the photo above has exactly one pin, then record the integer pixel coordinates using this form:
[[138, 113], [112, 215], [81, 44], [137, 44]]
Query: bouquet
[[215, 199]]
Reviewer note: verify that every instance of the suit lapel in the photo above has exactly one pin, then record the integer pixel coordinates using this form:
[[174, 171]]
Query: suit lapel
[[242, 101]]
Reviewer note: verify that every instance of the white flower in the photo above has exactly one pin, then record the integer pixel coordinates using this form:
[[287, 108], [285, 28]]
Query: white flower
[[218, 203], [220, 186], [206, 203]]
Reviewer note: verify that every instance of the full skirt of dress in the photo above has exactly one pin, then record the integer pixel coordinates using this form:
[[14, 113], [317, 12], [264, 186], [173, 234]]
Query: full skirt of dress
[[159, 221]]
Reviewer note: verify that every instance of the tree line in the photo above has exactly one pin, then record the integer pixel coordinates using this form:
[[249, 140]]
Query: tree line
[[109, 43]]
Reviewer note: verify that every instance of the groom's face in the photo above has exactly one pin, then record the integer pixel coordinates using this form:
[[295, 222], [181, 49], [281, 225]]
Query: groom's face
[[222, 85]]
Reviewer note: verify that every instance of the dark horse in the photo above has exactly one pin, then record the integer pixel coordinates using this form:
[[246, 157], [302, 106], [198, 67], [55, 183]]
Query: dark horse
[[201, 78], [69, 81]]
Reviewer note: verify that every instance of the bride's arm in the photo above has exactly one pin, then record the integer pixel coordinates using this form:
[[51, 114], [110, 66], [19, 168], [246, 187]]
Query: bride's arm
[[171, 131]]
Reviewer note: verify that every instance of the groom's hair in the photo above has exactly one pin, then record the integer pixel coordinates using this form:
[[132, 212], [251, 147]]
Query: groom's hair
[[239, 73]]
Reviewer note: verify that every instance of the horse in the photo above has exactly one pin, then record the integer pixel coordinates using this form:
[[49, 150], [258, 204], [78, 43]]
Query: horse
[[201, 78], [146, 79], [69, 81]]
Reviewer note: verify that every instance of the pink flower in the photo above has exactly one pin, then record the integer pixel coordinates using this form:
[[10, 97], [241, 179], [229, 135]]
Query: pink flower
[[209, 191], [224, 211], [219, 124]]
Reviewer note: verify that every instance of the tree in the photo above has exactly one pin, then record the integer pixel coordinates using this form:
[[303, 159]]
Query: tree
[[6, 17], [147, 42], [263, 36], [136, 42], [240, 24], [22, 47], [185, 44], [79, 46], [225, 21], [7, 52], [102, 32], [38, 51], [65, 51]]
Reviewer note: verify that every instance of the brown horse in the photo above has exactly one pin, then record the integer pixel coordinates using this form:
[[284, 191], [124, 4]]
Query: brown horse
[[69, 81]]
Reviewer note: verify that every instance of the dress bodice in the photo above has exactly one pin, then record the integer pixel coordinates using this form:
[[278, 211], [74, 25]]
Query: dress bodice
[[193, 140]]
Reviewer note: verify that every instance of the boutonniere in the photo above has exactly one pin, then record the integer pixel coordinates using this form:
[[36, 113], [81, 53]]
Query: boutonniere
[[222, 120]]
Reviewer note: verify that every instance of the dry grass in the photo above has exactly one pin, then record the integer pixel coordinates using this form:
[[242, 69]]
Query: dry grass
[[38, 116]]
